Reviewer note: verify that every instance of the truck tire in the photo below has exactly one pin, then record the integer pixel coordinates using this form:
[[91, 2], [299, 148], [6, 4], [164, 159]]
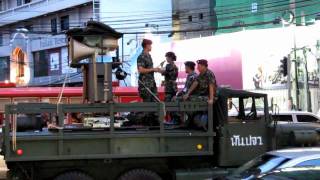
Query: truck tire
[[74, 175], [140, 174]]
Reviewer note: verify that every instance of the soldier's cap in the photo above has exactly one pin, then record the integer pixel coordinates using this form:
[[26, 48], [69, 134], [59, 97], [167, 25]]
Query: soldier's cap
[[202, 62], [146, 42], [171, 55], [190, 64]]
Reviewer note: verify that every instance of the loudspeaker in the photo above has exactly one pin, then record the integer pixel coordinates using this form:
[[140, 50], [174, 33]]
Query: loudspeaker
[[78, 51]]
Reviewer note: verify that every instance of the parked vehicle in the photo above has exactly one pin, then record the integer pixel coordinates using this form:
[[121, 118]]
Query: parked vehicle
[[279, 159], [296, 117], [293, 173]]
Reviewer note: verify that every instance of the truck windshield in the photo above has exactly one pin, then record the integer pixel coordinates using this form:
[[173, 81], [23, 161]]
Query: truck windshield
[[261, 164]]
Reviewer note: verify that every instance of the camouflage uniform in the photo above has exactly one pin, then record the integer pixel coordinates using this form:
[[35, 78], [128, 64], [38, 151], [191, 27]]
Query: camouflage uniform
[[170, 76], [146, 80], [204, 80], [190, 78], [201, 93]]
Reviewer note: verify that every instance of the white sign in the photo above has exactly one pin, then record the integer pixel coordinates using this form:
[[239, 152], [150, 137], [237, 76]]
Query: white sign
[[237, 140], [65, 68], [54, 61]]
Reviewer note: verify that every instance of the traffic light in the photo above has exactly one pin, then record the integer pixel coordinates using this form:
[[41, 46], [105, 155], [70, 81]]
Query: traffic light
[[284, 66]]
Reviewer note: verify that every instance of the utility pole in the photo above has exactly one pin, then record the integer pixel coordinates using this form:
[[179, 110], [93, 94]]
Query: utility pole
[[306, 80], [289, 85], [293, 23]]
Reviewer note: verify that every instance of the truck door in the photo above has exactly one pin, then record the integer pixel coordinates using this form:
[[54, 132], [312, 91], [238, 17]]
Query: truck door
[[244, 133]]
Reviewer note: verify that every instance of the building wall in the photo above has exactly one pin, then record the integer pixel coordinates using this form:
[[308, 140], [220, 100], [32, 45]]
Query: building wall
[[40, 40], [193, 14], [230, 16]]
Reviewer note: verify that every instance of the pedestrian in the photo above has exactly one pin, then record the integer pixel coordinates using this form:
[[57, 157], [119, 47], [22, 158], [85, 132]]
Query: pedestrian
[[170, 74], [146, 84]]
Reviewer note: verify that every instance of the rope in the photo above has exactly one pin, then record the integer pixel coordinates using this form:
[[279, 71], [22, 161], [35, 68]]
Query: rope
[[14, 132], [154, 96]]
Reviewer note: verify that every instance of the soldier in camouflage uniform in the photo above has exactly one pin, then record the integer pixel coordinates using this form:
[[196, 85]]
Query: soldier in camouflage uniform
[[146, 71], [204, 86], [191, 76], [202, 89], [170, 74]]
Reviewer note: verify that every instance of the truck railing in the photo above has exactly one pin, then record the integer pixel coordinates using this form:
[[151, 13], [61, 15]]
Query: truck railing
[[111, 109]]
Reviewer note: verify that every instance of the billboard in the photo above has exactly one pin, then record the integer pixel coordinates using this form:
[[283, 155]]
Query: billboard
[[247, 59]]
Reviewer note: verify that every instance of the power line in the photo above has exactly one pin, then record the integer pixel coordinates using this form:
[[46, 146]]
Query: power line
[[225, 13]]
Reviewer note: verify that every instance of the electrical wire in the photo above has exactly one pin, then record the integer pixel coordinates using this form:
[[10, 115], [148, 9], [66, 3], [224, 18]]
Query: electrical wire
[[169, 17]]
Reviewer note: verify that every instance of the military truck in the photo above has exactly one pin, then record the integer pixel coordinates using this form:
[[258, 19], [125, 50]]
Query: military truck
[[233, 134]]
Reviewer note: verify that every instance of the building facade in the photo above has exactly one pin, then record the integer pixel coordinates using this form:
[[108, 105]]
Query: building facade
[[222, 16], [189, 15], [33, 47]]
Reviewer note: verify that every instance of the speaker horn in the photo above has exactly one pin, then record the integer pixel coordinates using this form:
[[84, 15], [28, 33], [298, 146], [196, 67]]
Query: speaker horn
[[78, 52]]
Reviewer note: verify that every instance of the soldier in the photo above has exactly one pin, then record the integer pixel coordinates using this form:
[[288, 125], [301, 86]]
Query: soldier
[[191, 76], [146, 85], [204, 86], [170, 74]]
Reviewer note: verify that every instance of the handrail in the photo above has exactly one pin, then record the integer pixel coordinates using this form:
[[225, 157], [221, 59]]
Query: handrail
[[110, 108]]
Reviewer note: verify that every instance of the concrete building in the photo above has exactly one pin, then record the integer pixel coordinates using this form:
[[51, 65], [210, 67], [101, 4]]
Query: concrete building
[[33, 47], [232, 15], [193, 14]]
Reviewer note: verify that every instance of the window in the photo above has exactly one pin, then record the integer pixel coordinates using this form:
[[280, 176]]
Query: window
[[283, 118], [1, 4], [40, 64], [233, 107], [200, 16], [29, 27], [190, 18], [64, 21], [254, 7], [306, 118], [4, 68], [27, 1], [54, 25], [19, 2], [312, 162]]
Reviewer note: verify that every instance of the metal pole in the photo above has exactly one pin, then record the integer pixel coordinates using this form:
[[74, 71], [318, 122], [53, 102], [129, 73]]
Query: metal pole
[[108, 96], [290, 107], [296, 73], [122, 50], [306, 81]]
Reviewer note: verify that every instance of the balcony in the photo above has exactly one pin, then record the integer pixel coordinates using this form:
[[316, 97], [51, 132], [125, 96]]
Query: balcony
[[35, 9]]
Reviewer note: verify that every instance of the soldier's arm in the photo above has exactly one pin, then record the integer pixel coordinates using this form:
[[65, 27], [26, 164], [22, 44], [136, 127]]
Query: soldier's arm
[[143, 70], [192, 88], [212, 90], [141, 63]]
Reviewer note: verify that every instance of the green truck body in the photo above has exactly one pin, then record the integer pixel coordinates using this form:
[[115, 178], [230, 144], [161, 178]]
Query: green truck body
[[108, 153]]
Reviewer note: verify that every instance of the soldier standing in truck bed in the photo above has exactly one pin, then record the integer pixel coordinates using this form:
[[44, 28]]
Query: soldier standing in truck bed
[[146, 84], [170, 74]]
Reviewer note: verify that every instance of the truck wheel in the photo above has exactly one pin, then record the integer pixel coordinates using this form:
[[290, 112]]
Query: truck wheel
[[140, 174], [75, 175]]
